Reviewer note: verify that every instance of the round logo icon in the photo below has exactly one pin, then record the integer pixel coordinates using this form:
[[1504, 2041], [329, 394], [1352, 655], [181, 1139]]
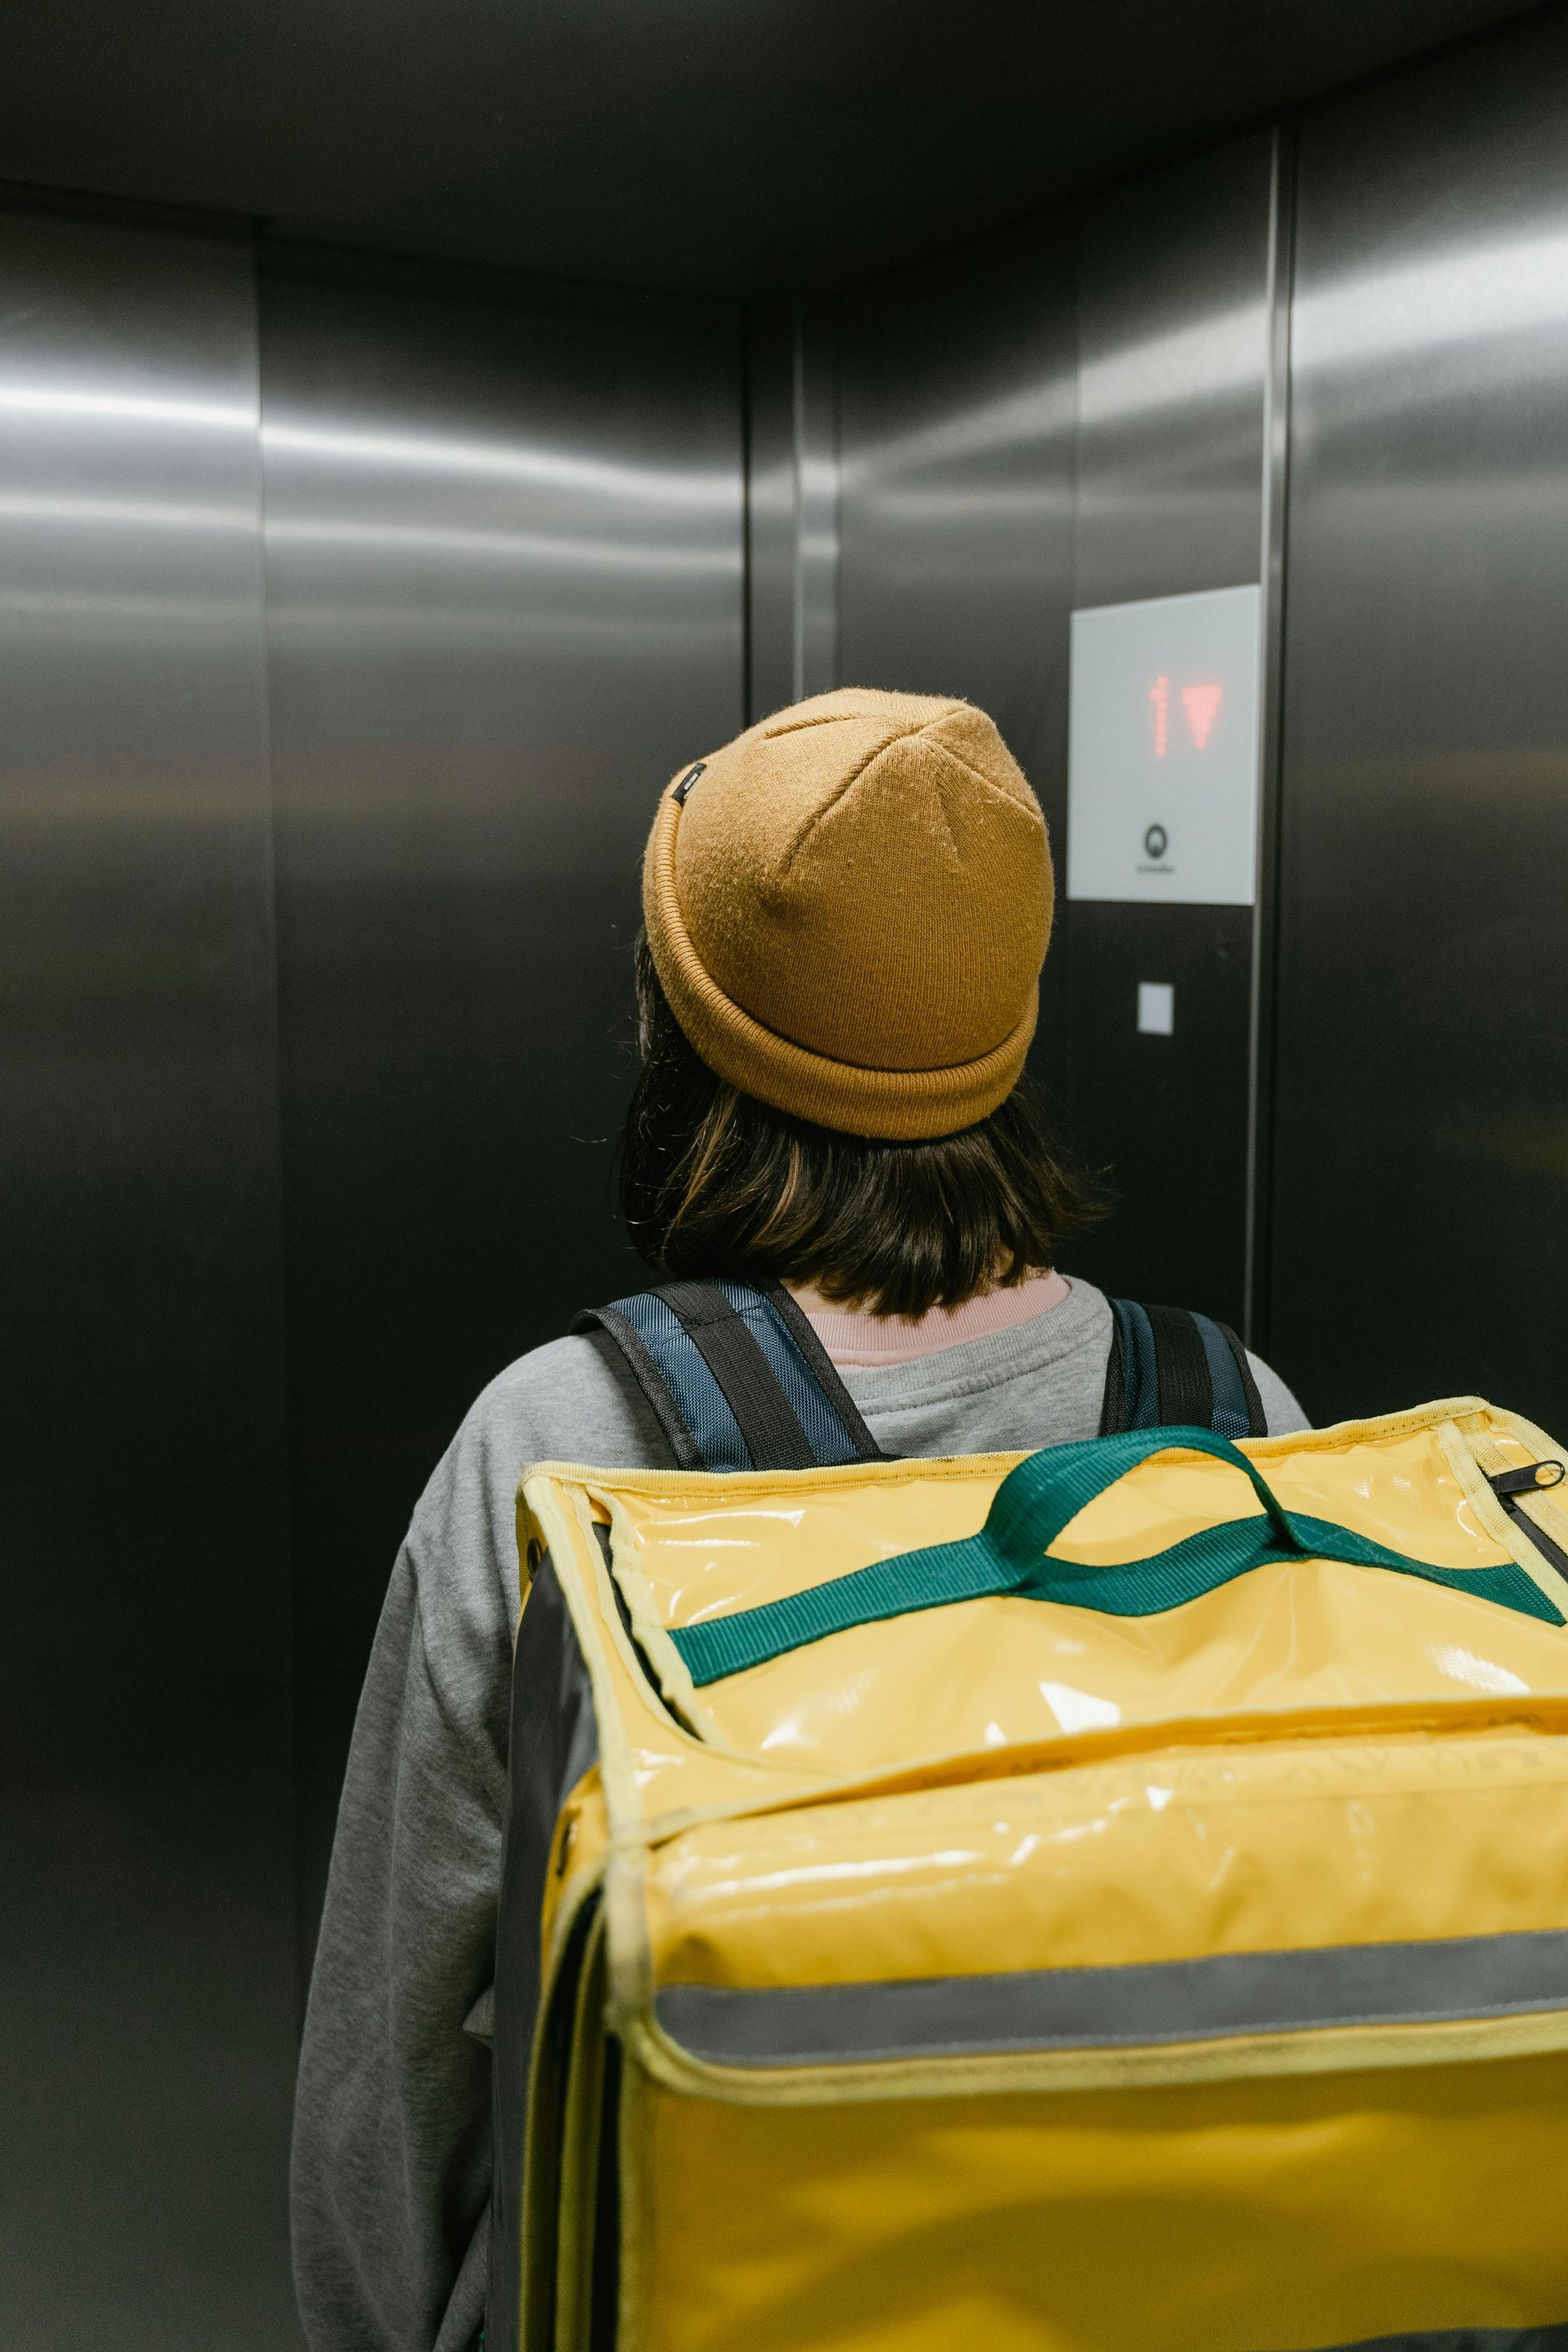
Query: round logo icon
[[1155, 842]]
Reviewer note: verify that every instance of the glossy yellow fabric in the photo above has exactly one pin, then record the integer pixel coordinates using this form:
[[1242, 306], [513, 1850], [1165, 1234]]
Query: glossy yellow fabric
[[1316, 1756], [991, 1673], [1234, 1850], [1243, 2217]]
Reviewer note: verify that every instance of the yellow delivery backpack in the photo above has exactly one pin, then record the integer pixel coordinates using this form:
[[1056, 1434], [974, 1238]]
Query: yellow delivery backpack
[[1111, 1899]]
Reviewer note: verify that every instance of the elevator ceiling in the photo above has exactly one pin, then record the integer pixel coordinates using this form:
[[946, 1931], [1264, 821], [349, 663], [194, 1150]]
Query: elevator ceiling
[[711, 144]]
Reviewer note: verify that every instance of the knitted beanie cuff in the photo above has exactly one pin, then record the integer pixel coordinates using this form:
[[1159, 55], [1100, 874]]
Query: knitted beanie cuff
[[892, 1105]]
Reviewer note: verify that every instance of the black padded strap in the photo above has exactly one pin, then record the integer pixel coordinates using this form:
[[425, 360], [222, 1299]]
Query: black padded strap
[[820, 1365], [734, 1376], [1168, 1368], [1186, 1392], [1113, 1413], [774, 1438], [622, 1348], [1258, 1418], [1131, 1374]]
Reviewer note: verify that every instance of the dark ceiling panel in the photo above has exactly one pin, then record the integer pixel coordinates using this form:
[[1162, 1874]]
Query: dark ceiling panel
[[689, 145]]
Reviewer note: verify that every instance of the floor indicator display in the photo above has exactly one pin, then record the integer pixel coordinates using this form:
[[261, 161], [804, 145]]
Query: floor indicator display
[[1162, 752]]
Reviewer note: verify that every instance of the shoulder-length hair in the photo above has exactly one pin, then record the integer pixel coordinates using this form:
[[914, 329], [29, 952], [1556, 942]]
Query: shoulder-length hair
[[714, 1183]]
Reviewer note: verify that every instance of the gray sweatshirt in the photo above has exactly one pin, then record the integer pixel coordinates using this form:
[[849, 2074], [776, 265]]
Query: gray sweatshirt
[[391, 2132]]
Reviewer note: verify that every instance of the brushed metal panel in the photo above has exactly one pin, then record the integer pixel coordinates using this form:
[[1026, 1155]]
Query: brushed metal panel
[[147, 1969], [1422, 1123], [792, 504], [1174, 356], [957, 404], [1172, 349], [1266, 922], [817, 477], [505, 603], [773, 503]]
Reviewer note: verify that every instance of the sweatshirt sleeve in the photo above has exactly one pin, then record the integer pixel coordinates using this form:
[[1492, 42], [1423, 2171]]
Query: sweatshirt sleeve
[[391, 2168], [1280, 1408]]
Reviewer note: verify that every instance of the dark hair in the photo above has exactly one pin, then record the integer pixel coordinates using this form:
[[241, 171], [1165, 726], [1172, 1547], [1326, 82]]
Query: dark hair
[[715, 1183]]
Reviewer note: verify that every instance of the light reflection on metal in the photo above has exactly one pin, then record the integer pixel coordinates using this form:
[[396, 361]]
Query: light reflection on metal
[[536, 463], [139, 1264], [504, 573], [1425, 718], [67, 404]]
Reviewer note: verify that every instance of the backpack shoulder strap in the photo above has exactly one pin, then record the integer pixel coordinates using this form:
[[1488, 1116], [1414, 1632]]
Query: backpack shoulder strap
[[1169, 1367], [736, 1376]]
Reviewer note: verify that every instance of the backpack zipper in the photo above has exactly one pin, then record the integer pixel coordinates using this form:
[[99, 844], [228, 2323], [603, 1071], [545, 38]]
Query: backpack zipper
[[1533, 1479]]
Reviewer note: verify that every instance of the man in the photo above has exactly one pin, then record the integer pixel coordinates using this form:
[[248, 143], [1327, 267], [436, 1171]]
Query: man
[[847, 910]]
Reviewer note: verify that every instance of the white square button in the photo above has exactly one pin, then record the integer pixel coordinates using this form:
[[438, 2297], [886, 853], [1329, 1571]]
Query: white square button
[[1156, 1008]]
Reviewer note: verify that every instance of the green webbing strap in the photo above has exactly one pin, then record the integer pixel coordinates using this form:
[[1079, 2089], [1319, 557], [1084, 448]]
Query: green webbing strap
[[1011, 1554]]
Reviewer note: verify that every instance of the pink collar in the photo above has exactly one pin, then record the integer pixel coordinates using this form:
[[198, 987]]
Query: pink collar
[[858, 1338]]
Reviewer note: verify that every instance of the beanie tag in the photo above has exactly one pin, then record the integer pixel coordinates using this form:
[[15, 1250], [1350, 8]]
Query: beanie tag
[[688, 780]]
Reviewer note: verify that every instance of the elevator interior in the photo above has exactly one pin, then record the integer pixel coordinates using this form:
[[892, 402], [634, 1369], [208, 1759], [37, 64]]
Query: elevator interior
[[385, 517]]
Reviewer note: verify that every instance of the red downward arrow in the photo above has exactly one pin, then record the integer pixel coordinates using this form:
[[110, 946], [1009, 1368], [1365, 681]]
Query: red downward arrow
[[1201, 704]]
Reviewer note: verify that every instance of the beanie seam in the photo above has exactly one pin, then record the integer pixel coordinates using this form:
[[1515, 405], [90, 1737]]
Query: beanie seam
[[998, 791], [798, 726], [940, 795], [842, 718], [844, 789]]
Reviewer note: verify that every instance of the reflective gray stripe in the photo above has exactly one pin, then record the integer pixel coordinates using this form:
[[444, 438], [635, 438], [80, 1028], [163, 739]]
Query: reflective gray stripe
[[1162, 2000]]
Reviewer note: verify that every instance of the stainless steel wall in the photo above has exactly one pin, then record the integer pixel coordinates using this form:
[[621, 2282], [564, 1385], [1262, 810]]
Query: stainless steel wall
[[147, 1972], [503, 576], [793, 535], [1075, 415], [504, 603], [1174, 356], [957, 405], [1360, 1096], [1422, 1104]]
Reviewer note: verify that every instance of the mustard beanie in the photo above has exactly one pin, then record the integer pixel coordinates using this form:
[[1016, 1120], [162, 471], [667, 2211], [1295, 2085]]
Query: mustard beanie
[[848, 908]]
